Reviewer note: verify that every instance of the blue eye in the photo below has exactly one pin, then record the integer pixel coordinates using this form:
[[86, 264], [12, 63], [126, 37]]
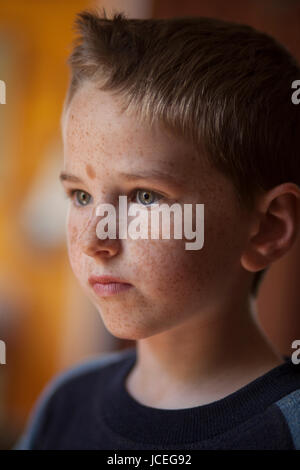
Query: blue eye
[[142, 196], [146, 198], [81, 197]]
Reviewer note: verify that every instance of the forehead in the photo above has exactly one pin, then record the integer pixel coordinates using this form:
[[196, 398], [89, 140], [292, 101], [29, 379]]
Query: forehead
[[96, 130]]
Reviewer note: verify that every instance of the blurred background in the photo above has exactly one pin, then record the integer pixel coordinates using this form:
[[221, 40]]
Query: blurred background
[[45, 321]]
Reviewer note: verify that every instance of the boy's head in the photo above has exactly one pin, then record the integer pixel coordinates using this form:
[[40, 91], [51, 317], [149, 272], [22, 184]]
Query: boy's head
[[208, 103]]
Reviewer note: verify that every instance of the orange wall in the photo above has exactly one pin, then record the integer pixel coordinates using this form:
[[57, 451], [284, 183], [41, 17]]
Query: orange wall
[[38, 36]]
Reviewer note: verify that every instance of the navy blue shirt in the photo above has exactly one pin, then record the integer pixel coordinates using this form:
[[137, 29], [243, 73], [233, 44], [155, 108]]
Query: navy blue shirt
[[89, 407]]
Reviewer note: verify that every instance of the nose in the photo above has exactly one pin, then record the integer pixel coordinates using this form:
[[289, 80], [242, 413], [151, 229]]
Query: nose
[[95, 247]]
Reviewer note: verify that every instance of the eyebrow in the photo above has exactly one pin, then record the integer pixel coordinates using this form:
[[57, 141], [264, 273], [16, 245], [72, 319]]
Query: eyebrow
[[68, 177], [153, 174]]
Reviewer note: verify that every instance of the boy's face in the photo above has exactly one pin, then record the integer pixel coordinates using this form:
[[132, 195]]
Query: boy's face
[[171, 285]]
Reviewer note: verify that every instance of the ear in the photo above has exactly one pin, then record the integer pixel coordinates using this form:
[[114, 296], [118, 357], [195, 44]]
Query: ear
[[274, 228]]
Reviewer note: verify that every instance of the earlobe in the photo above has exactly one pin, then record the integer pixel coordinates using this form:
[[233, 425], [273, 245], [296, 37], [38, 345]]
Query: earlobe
[[277, 228], [252, 260]]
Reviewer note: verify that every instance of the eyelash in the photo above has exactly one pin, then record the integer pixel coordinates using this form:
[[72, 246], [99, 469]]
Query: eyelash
[[70, 193]]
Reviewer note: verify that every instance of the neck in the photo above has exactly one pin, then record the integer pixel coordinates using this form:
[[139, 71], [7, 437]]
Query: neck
[[202, 360]]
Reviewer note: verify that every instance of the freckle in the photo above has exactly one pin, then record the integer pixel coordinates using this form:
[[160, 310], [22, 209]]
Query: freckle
[[74, 233], [90, 171]]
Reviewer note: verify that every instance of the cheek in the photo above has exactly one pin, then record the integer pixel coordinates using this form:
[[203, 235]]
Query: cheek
[[74, 252], [225, 233], [163, 268]]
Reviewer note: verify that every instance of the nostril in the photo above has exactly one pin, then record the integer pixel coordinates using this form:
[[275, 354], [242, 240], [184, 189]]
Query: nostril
[[104, 248]]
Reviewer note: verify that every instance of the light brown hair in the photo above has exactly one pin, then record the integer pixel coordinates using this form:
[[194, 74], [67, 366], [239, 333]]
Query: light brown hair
[[222, 86]]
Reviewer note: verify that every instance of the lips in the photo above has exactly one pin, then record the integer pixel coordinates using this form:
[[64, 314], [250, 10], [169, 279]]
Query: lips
[[105, 279], [106, 286]]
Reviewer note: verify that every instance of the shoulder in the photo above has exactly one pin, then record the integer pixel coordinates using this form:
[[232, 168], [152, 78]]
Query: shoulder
[[289, 406], [79, 379], [84, 372]]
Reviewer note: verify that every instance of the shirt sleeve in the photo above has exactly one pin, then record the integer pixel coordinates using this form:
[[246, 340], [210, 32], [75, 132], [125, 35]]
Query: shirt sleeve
[[41, 413]]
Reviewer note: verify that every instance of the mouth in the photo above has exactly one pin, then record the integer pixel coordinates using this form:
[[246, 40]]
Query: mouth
[[106, 286]]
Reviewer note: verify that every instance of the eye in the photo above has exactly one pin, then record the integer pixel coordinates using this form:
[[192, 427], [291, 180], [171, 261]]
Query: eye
[[146, 197], [81, 197]]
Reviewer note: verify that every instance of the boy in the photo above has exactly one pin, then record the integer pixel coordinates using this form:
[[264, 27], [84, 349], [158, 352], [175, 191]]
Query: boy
[[188, 111]]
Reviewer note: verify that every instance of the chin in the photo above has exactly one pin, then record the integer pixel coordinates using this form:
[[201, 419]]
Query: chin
[[129, 332]]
